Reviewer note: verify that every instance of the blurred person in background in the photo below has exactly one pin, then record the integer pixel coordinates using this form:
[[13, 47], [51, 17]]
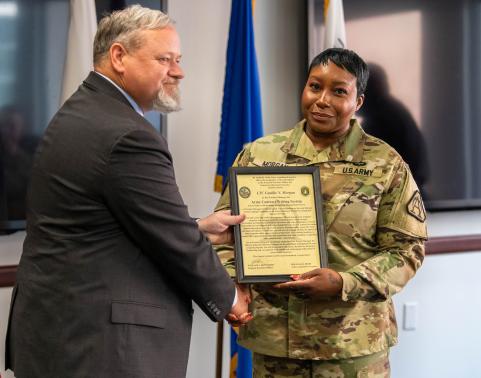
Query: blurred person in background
[[16, 157], [387, 118]]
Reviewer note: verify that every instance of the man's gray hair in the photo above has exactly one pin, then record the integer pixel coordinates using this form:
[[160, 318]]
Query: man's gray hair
[[123, 26]]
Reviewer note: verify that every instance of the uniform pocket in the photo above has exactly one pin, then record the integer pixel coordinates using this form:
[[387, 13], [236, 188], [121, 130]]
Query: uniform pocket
[[144, 314]]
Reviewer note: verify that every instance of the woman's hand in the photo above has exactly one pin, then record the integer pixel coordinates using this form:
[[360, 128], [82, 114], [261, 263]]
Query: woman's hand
[[317, 283]]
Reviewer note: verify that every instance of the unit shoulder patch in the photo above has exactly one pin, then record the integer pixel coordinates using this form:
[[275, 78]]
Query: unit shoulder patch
[[415, 207]]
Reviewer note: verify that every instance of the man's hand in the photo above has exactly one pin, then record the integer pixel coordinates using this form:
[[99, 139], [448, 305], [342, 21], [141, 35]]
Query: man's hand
[[317, 283], [239, 314], [217, 226]]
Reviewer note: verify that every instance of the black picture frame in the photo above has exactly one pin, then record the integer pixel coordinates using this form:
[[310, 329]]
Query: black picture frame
[[314, 172]]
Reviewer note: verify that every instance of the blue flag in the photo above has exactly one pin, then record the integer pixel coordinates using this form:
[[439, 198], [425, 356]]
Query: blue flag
[[241, 120], [240, 358]]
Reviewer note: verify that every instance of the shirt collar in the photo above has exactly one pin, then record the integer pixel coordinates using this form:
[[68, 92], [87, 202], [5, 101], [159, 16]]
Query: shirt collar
[[349, 148], [136, 107]]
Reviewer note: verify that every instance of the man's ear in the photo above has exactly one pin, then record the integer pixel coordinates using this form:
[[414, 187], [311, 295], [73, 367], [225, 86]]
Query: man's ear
[[117, 54], [360, 101]]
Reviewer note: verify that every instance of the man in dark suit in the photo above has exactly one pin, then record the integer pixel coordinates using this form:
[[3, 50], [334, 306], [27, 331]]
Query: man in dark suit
[[112, 260]]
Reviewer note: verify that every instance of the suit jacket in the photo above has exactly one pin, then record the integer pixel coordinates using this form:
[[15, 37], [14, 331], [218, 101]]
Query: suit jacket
[[112, 259]]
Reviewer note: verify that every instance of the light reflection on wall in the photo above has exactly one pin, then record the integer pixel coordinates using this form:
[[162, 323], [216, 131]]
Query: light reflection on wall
[[8, 9], [393, 41]]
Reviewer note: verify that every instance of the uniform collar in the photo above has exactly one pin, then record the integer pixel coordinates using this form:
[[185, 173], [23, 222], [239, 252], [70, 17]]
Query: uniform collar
[[349, 148]]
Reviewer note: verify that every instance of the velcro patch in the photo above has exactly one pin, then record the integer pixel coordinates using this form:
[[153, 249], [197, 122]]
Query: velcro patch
[[359, 171], [264, 163], [416, 208]]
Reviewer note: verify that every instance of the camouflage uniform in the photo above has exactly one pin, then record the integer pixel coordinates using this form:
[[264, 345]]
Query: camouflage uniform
[[372, 366], [375, 232]]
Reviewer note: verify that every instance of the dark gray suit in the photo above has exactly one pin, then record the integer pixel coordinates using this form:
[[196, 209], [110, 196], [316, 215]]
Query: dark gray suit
[[112, 259]]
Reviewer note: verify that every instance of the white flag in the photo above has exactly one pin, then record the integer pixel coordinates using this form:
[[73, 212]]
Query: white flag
[[81, 33], [326, 27], [335, 28]]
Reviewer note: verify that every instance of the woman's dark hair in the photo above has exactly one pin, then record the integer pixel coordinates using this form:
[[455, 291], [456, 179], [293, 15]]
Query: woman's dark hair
[[347, 60]]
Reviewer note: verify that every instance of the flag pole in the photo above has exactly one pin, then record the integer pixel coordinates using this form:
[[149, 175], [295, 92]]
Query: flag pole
[[220, 349]]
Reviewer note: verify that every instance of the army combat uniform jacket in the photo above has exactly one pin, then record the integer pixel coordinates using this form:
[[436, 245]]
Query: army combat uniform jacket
[[375, 233]]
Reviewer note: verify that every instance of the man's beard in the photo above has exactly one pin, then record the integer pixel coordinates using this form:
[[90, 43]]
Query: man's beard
[[165, 103]]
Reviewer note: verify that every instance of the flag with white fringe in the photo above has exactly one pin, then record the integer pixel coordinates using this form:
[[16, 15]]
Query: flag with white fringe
[[79, 56], [334, 25], [325, 26]]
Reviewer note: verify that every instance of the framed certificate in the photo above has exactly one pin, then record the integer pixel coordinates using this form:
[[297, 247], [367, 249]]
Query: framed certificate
[[283, 233]]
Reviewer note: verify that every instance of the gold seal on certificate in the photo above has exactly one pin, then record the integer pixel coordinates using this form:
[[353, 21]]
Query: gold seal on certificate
[[283, 233]]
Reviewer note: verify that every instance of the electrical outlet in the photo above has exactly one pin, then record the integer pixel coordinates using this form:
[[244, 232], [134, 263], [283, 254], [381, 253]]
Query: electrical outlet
[[410, 320]]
